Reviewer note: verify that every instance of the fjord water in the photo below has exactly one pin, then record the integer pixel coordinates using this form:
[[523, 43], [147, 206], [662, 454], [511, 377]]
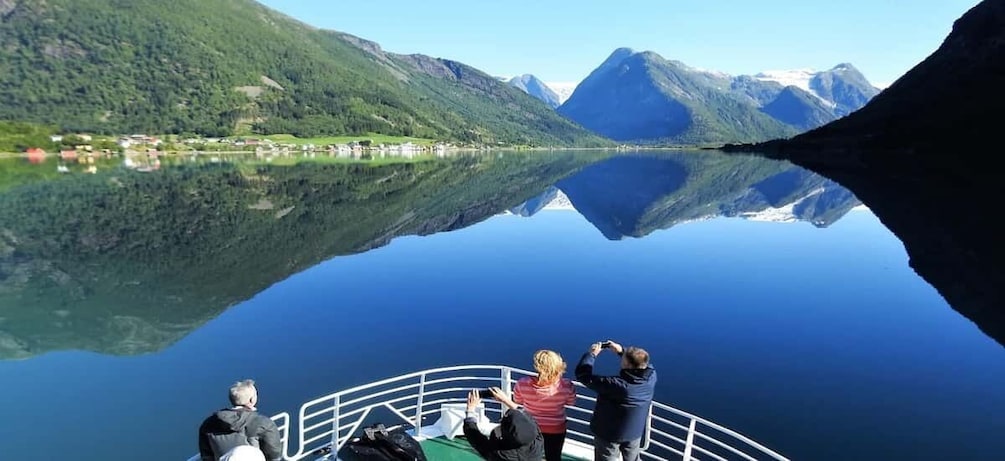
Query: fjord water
[[770, 300]]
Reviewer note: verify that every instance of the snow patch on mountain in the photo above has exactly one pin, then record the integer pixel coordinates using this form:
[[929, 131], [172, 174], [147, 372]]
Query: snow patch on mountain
[[799, 78], [562, 89]]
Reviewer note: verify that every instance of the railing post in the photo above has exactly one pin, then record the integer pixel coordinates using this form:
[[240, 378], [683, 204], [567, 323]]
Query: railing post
[[690, 440], [507, 382], [418, 405], [648, 432], [335, 426]]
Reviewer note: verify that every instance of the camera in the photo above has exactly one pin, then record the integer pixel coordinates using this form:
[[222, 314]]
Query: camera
[[485, 394], [605, 345]]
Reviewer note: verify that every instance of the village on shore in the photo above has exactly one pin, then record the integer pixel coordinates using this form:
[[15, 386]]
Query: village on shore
[[143, 151]]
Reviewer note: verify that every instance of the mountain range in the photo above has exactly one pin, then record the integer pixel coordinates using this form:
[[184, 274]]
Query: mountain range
[[219, 67], [224, 67], [634, 195], [643, 97]]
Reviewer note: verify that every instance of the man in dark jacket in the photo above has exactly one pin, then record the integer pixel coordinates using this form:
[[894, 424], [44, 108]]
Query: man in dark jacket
[[239, 425], [623, 401], [517, 438]]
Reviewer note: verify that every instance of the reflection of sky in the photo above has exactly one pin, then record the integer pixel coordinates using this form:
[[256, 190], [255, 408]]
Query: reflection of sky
[[802, 338]]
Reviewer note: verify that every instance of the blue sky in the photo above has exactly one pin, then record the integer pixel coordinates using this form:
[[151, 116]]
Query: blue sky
[[562, 40]]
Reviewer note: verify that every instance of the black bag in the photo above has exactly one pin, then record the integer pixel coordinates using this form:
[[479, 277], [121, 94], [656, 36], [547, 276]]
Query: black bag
[[380, 444]]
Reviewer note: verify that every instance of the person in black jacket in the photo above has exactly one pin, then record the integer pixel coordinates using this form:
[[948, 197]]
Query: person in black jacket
[[239, 425], [623, 401], [517, 438]]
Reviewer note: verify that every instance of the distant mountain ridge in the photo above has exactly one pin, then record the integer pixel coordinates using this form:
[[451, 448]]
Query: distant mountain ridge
[[643, 97], [842, 88], [220, 67], [535, 87]]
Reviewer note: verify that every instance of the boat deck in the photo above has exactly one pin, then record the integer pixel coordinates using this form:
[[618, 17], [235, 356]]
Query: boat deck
[[442, 449], [434, 402]]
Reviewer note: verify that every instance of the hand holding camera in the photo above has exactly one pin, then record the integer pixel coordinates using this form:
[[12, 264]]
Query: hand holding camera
[[597, 347], [474, 397]]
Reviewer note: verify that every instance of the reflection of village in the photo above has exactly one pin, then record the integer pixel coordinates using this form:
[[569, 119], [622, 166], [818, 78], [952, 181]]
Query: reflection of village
[[145, 153], [358, 150]]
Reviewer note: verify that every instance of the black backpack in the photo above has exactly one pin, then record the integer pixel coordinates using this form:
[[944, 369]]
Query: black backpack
[[380, 444]]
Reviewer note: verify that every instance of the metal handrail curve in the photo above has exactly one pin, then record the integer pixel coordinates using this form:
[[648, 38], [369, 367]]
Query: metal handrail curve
[[324, 425]]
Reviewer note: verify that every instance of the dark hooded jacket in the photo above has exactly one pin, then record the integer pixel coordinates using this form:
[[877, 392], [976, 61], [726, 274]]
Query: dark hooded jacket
[[516, 439], [623, 401], [231, 427]]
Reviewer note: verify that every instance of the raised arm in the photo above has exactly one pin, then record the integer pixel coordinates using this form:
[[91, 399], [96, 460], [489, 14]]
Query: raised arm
[[480, 442], [585, 375]]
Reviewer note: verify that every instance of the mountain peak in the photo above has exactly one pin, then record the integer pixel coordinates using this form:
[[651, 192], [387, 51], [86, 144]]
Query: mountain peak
[[533, 86], [617, 56], [524, 80]]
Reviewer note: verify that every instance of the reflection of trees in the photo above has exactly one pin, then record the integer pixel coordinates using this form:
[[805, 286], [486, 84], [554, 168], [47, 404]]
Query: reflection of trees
[[125, 262]]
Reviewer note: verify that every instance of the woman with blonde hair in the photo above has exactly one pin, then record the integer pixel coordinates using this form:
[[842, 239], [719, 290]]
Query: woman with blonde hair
[[544, 397]]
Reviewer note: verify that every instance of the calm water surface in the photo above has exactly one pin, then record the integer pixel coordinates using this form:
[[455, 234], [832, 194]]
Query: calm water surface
[[770, 300]]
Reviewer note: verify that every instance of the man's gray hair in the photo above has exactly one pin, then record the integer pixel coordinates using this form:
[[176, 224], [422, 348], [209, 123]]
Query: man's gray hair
[[242, 393]]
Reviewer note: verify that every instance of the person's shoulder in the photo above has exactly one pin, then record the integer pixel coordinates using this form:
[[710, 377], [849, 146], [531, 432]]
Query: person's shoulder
[[264, 421], [211, 419], [525, 380]]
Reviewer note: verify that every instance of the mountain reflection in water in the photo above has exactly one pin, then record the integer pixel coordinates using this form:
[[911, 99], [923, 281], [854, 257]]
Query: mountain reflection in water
[[122, 262]]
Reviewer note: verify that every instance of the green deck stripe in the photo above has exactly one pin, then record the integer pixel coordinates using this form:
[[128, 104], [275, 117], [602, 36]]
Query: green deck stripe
[[441, 449]]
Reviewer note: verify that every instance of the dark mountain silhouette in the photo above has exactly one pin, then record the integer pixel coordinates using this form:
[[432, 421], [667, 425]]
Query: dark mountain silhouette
[[920, 156], [951, 101]]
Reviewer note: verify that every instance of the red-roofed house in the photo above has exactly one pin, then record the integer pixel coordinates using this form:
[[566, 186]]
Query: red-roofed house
[[35, 155]]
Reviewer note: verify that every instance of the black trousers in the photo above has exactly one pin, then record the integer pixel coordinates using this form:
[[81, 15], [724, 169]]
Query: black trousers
[[553, 446]]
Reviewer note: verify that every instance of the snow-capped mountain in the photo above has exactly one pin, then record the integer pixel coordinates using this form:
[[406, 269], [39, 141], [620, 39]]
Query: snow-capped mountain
[[535, 87], [799, 78], [552, 93], [551, 199], [842, 88], [562, 89]]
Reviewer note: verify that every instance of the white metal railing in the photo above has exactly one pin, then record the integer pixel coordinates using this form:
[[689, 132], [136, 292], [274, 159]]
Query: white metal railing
[[326, 424]]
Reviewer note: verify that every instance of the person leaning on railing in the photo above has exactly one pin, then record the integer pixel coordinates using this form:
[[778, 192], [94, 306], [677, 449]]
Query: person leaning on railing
[[517, 438], [240, 425], [544, 397], [623, 401]]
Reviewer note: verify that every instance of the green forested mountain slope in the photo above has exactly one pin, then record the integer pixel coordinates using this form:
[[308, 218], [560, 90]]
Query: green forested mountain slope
[[216, 66]]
